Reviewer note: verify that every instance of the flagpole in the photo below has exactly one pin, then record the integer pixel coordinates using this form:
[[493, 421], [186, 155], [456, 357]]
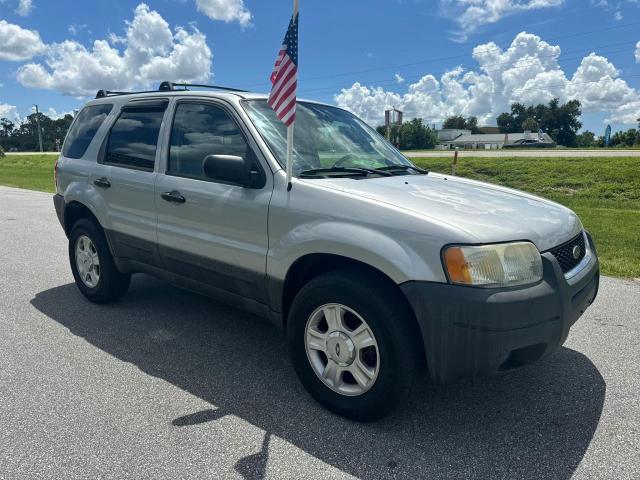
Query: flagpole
[[289, 154], [290, 129]]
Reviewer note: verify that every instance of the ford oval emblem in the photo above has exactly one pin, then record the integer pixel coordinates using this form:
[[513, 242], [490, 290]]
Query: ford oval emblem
[[577, 251]]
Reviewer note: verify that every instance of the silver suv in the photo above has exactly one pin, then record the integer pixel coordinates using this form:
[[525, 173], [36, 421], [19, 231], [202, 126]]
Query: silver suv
[[374, 267]]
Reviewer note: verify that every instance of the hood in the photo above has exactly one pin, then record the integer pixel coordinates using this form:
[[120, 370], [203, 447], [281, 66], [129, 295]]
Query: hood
[[487, 213]]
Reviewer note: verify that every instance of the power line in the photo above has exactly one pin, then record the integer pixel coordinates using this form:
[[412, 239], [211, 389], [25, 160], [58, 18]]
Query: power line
[[577, 83], [564, 56], [439, 74], [453, 57], [536, 26]]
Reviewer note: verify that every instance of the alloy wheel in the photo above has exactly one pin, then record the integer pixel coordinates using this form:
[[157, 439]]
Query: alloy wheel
[[87, 261], [342, 349]]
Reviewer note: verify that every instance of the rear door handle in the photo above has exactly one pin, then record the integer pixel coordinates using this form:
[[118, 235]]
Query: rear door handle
[[102, 182], [173, 196]]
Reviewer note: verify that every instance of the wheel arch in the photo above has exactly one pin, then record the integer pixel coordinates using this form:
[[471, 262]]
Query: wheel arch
[[312, 265], [76, 210]]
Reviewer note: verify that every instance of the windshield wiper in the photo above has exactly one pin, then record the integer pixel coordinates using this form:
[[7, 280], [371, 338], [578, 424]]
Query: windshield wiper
[[328, 172], [403, 168]]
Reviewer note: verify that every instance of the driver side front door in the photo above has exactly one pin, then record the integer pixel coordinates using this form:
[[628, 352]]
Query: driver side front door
[[212, 232]]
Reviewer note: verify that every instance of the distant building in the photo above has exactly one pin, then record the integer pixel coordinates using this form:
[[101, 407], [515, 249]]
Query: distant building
[[465, 140], [448, 134], [488, 129]]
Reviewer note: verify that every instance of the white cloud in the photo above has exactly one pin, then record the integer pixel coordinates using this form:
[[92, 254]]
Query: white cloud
[[369, 103], [24, 7], [53, 114], [614, 6], [399, 78], [637, 53], [596, 84], [225, 10], [10, 112], [471, 14], [17, 43], [75, 29], [527, 72], [152, 52]]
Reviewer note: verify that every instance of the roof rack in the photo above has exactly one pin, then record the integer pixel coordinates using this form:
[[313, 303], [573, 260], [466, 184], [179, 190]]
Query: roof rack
[[106, 93], [170, 86], [167, 87], [109, 93]]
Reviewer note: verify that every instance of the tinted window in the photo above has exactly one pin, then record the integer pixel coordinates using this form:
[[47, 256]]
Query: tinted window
[[84, 129], [201, 130], [134, 136]]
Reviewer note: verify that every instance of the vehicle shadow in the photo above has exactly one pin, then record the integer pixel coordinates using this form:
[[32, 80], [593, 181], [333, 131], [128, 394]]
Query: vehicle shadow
[[536, 422]]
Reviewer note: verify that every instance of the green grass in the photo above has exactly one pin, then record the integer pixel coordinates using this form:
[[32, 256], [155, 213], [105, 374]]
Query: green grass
[[604, 192], [34, 172]]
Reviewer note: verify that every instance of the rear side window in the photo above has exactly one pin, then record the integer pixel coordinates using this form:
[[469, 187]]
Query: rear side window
[[134, 137], [84, 129], [200, 130]]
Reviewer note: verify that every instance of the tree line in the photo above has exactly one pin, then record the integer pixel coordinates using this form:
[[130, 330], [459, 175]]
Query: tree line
[[411, 135], [23, 136], [560, 121]]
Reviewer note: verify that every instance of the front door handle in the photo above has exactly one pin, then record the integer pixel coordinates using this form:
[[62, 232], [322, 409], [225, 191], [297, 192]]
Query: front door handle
[[173, 196], [102, 182]]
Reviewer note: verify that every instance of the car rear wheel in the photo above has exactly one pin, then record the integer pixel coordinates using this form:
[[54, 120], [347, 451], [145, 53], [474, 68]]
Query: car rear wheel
[[92, 265], [353, 343]]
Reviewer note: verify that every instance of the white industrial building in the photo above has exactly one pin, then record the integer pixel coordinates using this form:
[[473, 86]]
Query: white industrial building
[[465, 140]]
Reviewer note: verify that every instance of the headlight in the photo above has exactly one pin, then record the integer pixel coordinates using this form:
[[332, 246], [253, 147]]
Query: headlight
[[500, 265]]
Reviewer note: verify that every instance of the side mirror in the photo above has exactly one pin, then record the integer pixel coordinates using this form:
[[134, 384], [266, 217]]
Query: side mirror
[[227, 168]]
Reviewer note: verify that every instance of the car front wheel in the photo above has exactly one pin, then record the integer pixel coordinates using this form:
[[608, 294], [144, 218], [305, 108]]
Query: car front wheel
[[353, 343]]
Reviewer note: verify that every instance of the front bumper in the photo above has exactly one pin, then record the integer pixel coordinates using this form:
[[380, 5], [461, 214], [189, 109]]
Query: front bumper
[[469, 331]]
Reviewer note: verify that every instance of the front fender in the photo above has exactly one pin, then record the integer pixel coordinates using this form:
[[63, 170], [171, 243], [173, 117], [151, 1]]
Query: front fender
[[357, 242]]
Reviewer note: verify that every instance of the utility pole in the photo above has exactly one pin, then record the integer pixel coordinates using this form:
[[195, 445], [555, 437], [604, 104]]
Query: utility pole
[[39, 129]]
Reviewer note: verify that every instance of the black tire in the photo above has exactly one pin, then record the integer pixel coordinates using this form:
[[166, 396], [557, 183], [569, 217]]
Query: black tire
[[381, 304], [111, 284]]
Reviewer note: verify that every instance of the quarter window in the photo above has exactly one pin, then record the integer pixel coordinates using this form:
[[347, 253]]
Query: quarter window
[[200, 130], [84, 129], [134, 137]]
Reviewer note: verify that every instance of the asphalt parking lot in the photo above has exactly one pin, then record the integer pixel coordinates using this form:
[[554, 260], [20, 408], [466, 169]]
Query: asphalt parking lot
[[168, 384]]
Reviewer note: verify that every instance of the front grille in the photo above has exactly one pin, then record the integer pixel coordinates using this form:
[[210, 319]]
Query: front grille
[[564, 253]]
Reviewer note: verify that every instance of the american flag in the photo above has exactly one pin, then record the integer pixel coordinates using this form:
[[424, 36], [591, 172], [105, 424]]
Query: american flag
[[284, 78]]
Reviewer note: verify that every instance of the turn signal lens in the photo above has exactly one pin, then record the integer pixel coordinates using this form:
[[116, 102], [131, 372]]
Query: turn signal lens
[[500, 265], [457, 266]]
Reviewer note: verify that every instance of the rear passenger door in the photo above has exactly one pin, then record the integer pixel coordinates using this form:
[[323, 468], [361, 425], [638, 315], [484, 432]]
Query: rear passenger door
[[217, 233], [125, 179]]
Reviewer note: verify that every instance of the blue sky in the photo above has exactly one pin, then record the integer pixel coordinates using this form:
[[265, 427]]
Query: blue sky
[[429, 58]]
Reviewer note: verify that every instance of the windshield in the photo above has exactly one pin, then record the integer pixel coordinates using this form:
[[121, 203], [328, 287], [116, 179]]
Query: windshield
[[324, 137]]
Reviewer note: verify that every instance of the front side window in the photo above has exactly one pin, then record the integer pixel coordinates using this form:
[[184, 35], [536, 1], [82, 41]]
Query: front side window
[[200, 130], [84, 129], [134, 137], [324, 137]]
